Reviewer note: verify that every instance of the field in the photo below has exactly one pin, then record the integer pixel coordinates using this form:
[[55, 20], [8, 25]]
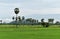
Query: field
[[29, 32]]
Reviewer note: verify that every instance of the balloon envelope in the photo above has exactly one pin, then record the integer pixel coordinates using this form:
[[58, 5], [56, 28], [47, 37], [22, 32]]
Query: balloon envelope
[[16, 10]]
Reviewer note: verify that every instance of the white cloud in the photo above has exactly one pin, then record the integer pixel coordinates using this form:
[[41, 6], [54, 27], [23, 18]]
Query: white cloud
[[10, 4], [41, 11], [28, 7]]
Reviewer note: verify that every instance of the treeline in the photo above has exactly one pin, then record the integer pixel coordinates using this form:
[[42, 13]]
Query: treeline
[[30, 21]]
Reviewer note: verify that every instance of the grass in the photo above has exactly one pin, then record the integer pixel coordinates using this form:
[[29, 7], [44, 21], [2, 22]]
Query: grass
[[29, 32]]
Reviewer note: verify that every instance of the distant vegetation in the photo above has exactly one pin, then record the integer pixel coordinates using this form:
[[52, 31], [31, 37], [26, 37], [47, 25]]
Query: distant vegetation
[[31, 21]]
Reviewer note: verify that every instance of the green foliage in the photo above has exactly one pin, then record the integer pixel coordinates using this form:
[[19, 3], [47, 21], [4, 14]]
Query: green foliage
[[45, 24], [23, 18], [51, 20]]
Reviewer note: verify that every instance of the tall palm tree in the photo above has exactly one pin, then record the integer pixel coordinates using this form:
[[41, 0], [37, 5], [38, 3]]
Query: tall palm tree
[[1, 21], [29, 20], [42, 20], [57, 22], [33, 21], [51, 20], [19, 18], [23, 17], [13, 17], [37, 21]]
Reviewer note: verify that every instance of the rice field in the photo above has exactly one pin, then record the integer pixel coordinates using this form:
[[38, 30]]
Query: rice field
[[29, 32]]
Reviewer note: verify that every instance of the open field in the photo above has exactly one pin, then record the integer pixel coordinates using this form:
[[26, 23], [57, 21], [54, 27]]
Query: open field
[[29, 32]]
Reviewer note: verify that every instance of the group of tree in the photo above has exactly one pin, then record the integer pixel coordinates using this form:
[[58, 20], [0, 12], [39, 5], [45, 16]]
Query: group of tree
[[22, 20], [46, 24], [57, 23], [18, 18], [34, 21]]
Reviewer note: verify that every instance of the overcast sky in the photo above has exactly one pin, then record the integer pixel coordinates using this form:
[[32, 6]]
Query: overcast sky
[[28, 7]]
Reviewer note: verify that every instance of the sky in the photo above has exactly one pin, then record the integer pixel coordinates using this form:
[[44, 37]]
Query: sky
[[27, 8]]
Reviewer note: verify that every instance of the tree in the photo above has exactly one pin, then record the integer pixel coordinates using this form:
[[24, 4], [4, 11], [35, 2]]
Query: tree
[[29, 20], [1, 21], [23, 17], [42, 22], [37, 21], [13, 17], [57, 22], [33, 21], [51, 20], [45, 24], [19, 18], [23, 20]]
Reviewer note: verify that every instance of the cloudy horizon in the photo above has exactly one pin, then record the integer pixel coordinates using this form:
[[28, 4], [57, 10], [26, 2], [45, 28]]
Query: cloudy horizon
[[28, 7]]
